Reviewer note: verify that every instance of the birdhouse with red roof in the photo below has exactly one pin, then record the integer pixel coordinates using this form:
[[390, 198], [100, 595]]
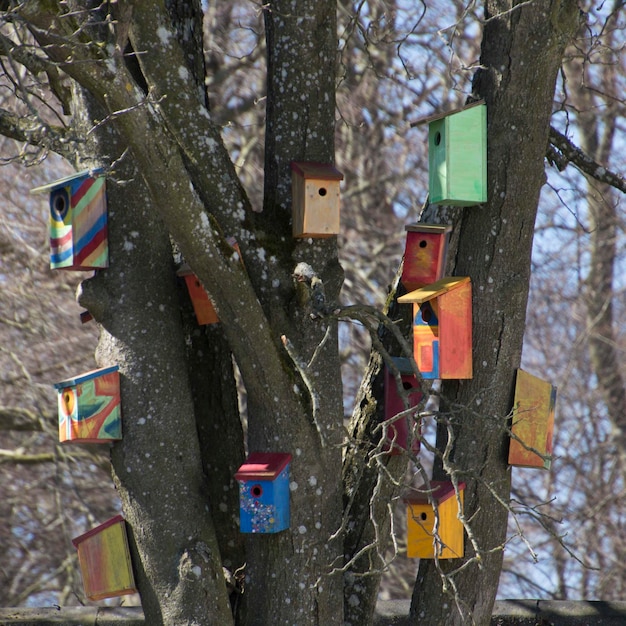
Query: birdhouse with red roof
[[104, 560], [78, 224], [424, 255], [402, 433], [433, 524], [315, 199], [264, 492], [89, 407], [532, 424], [442, 328]]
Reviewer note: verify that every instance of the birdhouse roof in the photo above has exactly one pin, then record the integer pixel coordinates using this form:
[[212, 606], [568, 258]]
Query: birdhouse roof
[[440, 491], [423, 294], [63, 181], [428, 228], [81, 378], [263, 466], [437, 116], [98, 529], [312, 169]]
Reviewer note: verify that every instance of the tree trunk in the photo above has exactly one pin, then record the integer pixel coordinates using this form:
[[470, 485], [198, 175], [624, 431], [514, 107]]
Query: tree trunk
[[521, 54]]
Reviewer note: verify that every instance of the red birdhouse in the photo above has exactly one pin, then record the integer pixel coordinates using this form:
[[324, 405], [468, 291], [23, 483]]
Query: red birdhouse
[[397, 440], [424, 255], [202, 305], [442, 328]]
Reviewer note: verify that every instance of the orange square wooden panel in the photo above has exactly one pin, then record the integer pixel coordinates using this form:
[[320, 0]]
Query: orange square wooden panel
[[532, 422], [315, 199], [442, 328], [104, 560], [422, 540]]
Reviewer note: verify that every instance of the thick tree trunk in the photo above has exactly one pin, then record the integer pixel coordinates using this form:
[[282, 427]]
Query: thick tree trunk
[[521, 54]]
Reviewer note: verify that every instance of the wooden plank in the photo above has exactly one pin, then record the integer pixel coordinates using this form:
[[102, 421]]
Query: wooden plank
[[455, 332], [423, 294]]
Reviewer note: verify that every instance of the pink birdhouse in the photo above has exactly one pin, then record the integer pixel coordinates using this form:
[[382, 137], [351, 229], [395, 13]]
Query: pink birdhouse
[[424, 255]]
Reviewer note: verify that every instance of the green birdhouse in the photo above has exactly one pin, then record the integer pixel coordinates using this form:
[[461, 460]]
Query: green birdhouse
[[457, 156]]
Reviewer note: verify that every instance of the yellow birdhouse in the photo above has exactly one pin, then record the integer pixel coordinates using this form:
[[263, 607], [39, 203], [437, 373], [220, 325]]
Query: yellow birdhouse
[[434, 527], [533, 422], [315, 199]]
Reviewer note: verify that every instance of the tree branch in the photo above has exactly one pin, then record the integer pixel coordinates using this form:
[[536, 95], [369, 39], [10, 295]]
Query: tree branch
[[17, 418]]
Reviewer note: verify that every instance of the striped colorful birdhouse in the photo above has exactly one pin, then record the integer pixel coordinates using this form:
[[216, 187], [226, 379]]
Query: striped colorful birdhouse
[[433, 526], [315, 199], [532, 422], [400, 432], [442, 328], [424, 255], [457, 156], [89, 407], [104, 560], [264, 492], [78, 221], [202, 305]]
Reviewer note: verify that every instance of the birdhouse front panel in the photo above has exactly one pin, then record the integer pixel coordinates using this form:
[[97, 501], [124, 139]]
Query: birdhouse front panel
[[435, 528], [89, 407], [264, 492], [404, 432], [202, 305], [315, 199], [424, 255], [457, 155], [442, 328], [532, 422], [104, 560], [78, 222]]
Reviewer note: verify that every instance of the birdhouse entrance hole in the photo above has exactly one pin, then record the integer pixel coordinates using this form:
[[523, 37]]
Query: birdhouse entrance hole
[[322, 191], [256, 491], [437, 139], [423, 516], [423, 243], [60, 205]]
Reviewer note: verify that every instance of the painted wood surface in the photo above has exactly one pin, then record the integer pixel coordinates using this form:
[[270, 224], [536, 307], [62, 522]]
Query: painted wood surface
[[264, 492], [202, 305], [457, 156], [532, 422], [424, 255], [427, 535], [104, 560], [89, 407], [78, 226], [315, 199]]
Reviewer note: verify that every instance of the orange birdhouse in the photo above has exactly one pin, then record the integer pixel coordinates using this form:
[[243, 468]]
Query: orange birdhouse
[[442, 328], [533, 422], [315, 199], [104, 560], [424, 255], [202, 305], [433, 526]]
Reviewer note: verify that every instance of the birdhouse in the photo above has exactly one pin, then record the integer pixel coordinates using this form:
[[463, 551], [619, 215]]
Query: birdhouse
[[202, 305], [315, 199], [442, 328], [264, 492], [78, 221], [457, 157], [424, 255], [533, 422], [433, 526], [89, 407], [398, 431], [104, 560]]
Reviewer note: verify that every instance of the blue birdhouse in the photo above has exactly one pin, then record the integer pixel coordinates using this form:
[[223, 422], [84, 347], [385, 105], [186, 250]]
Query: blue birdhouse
[[264, 492]]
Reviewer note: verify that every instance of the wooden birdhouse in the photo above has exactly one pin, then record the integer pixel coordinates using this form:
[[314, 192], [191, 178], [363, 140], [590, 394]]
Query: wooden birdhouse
[[315, 199], [202, 305], [532, 422], [78, 221], [424, 255], [457, 156], [398, 431], [104, 560], [442, 328], [433, 526], [264, 492], [89, 407]]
